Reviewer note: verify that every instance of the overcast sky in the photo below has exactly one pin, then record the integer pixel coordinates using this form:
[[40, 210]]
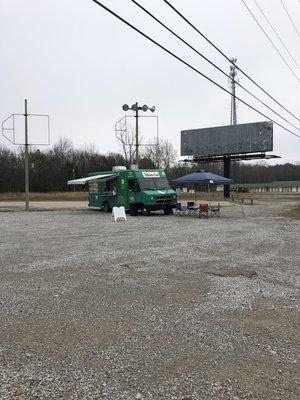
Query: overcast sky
[[75, 62]]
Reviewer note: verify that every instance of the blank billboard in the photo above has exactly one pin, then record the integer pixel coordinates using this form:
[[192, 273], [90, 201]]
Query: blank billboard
[[230, 139]]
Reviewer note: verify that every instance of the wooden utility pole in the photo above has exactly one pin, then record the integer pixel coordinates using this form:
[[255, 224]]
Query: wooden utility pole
[[26, 160]]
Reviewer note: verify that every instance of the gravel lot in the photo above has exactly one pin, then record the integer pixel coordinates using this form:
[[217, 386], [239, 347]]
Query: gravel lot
[[159, 307]]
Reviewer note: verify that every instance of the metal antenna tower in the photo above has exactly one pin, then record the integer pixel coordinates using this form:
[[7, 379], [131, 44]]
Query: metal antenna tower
[[233, 114], [233, 75]]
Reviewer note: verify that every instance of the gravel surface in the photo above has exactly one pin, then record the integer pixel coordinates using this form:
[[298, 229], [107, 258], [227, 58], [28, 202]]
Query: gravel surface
[[42, 205], [158, 307]]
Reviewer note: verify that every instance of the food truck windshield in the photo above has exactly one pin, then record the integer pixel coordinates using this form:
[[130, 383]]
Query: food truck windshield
[[153, 183]]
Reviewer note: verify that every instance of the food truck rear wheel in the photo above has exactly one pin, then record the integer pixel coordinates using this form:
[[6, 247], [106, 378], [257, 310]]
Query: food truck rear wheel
[[106, 207], [146, 211]]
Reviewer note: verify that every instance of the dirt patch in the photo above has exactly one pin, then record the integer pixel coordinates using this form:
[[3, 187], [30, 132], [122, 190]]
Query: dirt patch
[[232, 273], [293, 213]]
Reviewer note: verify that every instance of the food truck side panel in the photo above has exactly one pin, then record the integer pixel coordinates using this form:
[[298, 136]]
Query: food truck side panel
[[110, 193]]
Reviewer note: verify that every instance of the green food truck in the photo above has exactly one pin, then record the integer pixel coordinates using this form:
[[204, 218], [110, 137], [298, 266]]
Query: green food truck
[[142, 190]]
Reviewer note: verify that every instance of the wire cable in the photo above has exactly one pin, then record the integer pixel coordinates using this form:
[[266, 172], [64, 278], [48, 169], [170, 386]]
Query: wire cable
[[227, 58], [276, 33], [188, 65], [210, 62], [292, 22], [271, 41]]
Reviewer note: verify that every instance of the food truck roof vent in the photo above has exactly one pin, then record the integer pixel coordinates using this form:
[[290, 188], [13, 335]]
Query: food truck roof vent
[[119, 168], [134, 166]]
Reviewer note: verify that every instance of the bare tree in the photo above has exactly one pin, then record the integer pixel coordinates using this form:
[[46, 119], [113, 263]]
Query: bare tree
[[152, 152], [63, 150], [168, 154], [127, 139], [163, 154], [62, 156]]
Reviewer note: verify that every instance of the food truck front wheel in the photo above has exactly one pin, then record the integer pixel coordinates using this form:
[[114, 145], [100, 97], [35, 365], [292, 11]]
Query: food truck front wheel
[[106, 207], [146, 211]]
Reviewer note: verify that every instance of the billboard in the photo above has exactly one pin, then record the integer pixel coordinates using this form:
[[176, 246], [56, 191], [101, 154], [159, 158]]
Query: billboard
[[225, 140]]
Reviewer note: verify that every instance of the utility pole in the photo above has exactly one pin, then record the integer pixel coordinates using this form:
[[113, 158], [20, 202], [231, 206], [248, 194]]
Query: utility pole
[[9, 132], [26, 160]]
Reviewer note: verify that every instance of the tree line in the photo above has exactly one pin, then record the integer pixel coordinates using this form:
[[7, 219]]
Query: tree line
[[50, 170]]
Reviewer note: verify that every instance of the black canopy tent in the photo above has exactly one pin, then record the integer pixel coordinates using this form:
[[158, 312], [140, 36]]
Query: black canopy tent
[[201, 178]]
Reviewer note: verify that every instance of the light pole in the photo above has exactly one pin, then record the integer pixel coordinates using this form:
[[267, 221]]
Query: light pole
[[135, 107]]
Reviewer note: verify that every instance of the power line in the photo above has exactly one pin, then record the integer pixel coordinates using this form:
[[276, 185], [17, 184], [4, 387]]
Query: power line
[[292, 22], [188, 65], [276, 33], [271, 41], [227, 58], [210, 62]]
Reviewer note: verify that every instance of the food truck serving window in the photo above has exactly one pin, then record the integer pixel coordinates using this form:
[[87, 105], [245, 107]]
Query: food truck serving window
[[133, 185], [110, 187]]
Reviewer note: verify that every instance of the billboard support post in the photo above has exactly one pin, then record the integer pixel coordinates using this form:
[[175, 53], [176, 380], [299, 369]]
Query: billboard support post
[[227, 175]]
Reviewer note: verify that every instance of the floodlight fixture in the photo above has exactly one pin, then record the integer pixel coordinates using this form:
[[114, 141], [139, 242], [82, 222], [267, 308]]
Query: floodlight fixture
[[125, 107]]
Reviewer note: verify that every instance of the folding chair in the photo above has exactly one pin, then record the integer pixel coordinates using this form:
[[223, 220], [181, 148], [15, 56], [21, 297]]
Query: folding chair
[[180, 210], [203, 210], [191, 209], [215, 211]]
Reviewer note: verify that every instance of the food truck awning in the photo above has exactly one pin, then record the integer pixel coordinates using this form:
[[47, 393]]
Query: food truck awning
[[100, 177]]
